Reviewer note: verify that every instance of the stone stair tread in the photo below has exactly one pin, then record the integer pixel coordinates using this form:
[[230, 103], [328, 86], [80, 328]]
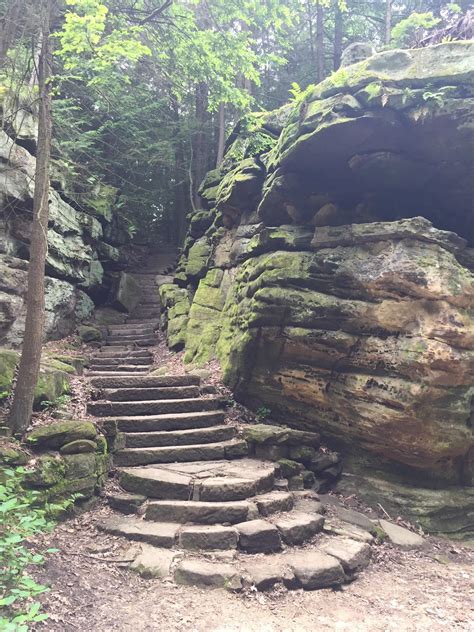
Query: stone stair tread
[[147, 381], [140, 393], [198, 512], [167, 454], [152, 407], [208, 537], [167, 421], [122, 353], [156, 533], [209, 481], [179, 437], [120, 360], [273, 502], [129, 368], [296, 527]]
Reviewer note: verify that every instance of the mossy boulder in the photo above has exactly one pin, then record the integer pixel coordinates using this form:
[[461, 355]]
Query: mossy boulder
[[128, 293], [198, 258], [289, 468], [48, 470], [58, 434], [52, 383], [265, 434], [10, 455], [79, 446], [87, 333], [8, 361]]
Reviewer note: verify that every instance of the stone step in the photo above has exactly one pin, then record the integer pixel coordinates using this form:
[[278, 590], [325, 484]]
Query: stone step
[[122, 354], [143, 394], [131, 360], [232, 448], [131, 330], [133, 338], [155, 322], [97, 373], [123, 368], [191, 511], [155, 533], [206, 481], [129, 325], [214, 434], [119, 348], [153, 407], [158, 423], [208, 538], [146, 381], [136, 341], [146, 312]]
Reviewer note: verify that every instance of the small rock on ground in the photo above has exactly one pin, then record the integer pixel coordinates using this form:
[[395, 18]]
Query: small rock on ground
[[401, 537]]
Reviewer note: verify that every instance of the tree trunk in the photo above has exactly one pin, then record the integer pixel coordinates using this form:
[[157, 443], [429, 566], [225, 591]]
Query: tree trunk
[[221, 141], [29, 367], [200, 146], [338, 32], [388, 21], [319, 43], [311, 33], [9, 28]]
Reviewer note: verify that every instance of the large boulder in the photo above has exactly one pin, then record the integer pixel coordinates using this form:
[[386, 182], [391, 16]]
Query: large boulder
[[335, 283]]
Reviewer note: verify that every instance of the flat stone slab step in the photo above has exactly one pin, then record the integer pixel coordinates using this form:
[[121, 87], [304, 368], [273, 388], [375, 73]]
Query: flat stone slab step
[[191, 511], [297, 527], [176, 421], [158, 534], [123, 354], [202, 480], [128, 325], [153, 321], [213, 434], [211, 574], [153, 407], [130, 338], [208, 538], [109, 360], [172, 454], [148, 381], [124, 368], [135, 342], [131, 330], [152, 393]]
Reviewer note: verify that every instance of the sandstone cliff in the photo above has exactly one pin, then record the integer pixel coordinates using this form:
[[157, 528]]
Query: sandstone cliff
[[331, 274], [83, 240]]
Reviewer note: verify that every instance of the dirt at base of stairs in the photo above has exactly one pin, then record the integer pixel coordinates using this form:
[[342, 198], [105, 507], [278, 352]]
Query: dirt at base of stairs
[[403, 591]]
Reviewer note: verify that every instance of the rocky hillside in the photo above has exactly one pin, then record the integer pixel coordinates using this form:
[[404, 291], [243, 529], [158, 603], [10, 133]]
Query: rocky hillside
[[84, 240], [331, 275]]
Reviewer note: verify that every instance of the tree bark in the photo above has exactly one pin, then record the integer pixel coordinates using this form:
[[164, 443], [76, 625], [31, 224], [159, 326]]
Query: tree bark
[[221, 141], [9, 28], [200, 146], [338, 32], [388, 21], [29, 367], [319, 43]]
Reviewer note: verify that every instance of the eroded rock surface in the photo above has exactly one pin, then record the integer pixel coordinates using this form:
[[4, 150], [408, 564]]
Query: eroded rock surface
[[331, 271]]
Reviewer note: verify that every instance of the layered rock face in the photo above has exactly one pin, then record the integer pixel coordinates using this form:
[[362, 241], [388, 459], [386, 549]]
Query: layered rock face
[[82, 242], [331, 275]]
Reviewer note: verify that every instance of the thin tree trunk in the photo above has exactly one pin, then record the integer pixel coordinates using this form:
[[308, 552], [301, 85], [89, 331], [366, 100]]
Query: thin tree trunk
[[29, 367], [200, 146], [388, 21], [311, 33], [221, 141], [319, 43], [9, 28], [338, 31]]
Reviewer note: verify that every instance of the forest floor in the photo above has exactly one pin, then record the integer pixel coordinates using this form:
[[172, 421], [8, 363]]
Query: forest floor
[[92, 590]]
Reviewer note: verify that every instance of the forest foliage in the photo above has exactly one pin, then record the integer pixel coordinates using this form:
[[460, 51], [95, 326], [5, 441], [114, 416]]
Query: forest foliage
[[145, 90]]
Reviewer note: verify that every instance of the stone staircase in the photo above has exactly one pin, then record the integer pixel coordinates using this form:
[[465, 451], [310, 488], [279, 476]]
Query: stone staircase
[[204, 511]]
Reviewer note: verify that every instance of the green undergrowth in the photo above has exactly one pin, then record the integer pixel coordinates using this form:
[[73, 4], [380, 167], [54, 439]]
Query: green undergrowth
[[22, 517]]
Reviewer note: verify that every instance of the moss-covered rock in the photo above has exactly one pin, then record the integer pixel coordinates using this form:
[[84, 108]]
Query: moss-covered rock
[[10, 455], [198, 258], [109, 316], [87, 333], [289, 468], [8, 361], [60, 433], [52, 384], [79, 446], [48, 470], [128, 293]]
